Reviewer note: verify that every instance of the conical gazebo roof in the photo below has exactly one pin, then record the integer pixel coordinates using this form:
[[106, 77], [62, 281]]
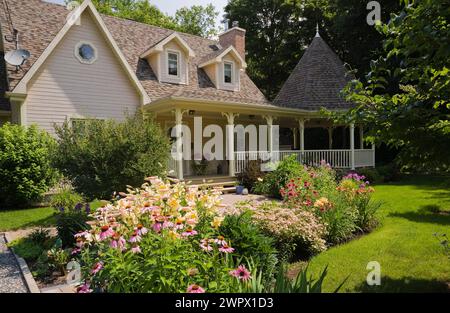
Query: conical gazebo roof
[[316, 81]]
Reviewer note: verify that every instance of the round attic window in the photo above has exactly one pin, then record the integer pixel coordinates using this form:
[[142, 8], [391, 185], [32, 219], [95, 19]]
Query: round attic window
[[86, 53]]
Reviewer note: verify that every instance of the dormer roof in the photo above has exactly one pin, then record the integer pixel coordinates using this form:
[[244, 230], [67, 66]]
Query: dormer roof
[[217, 57], [159, 47]]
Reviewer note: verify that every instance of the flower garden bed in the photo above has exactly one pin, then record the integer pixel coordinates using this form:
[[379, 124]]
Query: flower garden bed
[[170, 237]]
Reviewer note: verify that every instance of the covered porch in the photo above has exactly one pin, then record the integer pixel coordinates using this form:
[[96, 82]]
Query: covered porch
[[307, 135]]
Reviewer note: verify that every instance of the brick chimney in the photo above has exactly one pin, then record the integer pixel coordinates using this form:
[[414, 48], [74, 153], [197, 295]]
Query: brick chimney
[[234, 36]]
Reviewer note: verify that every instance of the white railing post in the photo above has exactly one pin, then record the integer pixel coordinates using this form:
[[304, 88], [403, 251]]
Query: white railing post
[[352, 145]]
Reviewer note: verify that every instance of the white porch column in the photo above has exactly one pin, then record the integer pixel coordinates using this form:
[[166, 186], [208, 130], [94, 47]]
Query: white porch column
[[352, 145], [361, 137], [179, 142], [269, 120], [330, 138], [230, 141], [301, 127]]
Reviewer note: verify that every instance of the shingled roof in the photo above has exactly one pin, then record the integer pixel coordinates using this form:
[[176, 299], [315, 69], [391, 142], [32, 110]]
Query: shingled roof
[[38, 23], [316, 81]]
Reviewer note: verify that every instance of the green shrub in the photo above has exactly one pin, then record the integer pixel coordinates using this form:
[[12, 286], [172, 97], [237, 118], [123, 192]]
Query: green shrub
[[273, 181], [101, 157], [71, 221], [71, 214], [40, 237], [371, 175], [25, 167], [389, 172], [251, 243], [65, 199], [250, 175]]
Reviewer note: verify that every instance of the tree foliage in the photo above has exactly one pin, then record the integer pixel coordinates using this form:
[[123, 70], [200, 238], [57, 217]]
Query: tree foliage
[[196, 20], [406, 99], [279, 31]]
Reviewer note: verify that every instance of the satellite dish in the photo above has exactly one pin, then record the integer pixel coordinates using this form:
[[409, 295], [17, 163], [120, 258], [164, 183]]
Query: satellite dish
[[17, 57]]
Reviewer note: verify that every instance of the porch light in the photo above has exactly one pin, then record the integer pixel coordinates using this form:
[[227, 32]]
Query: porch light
[[191, 112]]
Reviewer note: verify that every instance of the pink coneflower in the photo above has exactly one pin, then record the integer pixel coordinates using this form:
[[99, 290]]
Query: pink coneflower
[[159, 221], [136, 249], [141, 230], [118, 242], [80, 242], [241, 273], [85, 288], [81, 234], [195, 289], [220, 240], [226, 249], [204, 244], [157, 227], [97, 268], [75, 251], [189, 232], [106, 232], [167, 224], [135, 238]]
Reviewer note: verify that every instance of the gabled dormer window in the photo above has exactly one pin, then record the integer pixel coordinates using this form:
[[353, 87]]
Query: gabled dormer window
[[173, 63], [228, 72], [170, 59]]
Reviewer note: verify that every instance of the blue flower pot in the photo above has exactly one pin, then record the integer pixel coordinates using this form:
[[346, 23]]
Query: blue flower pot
[[239, 190]]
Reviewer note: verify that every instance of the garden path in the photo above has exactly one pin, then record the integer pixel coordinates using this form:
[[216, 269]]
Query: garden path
[[11, 280]]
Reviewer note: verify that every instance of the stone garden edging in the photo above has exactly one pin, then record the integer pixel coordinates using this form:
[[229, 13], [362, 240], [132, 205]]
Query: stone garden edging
[[24, 269]]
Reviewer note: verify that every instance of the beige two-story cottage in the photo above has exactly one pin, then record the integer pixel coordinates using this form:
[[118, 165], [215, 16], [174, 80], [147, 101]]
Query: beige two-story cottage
[[86, 65]]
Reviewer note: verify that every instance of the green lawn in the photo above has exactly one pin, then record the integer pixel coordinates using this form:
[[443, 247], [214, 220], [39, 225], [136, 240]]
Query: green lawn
[[410, 256], [20, 219]]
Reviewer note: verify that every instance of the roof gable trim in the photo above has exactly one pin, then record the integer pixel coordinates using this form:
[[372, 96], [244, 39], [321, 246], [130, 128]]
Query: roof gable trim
[[21, 87], [159, 47], [230, 50]]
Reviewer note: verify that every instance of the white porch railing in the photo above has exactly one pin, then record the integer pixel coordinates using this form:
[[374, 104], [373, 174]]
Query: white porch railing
[[336, 158], [172, 166], [364, 158]]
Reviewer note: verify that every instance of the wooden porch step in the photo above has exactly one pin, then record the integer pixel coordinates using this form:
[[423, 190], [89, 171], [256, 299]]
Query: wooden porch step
[[224, 183]]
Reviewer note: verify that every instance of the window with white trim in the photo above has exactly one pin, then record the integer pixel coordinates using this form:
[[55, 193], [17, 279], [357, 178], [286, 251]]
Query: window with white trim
[[86, 52], [228, 72], [173, 63]]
